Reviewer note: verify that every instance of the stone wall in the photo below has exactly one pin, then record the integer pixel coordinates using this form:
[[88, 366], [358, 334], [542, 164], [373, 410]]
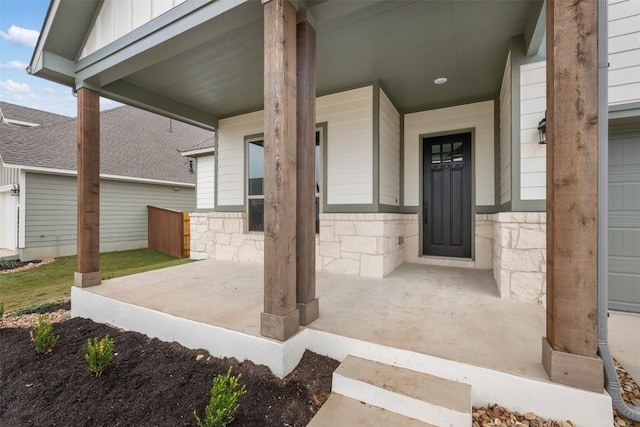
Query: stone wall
[[222, 236], [358, 244], [365, 244], [482, 251], [519, 255]]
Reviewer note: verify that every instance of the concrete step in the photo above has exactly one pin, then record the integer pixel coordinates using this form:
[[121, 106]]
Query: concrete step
[[416, 395], [339, 411]]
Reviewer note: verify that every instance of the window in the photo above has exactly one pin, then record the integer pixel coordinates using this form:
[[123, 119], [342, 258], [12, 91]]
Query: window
[[255, 186]]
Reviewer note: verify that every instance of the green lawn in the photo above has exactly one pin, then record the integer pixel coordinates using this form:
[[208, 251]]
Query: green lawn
[[42, 284]]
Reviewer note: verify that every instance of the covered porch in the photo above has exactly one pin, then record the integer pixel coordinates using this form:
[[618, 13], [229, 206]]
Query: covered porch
[[443, 321], [204, 62]]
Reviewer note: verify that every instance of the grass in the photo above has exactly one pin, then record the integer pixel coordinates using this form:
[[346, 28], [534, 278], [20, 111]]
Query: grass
[[40, 285]]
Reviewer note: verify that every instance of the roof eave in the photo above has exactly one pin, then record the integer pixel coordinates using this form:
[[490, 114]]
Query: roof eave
[[208, 151]]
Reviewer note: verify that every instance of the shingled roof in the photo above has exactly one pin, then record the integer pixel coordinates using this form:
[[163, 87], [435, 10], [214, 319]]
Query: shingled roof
[[133, 143]]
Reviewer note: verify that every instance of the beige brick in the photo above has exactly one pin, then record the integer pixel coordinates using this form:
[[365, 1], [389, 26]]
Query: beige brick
[[372, 265], [362, 245]]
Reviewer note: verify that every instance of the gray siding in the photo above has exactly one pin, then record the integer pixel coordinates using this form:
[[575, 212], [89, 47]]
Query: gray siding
[[624, 221], [51, 213]]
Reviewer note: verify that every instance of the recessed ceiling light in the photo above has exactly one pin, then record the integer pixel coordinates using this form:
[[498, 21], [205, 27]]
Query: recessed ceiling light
[[440, 80]]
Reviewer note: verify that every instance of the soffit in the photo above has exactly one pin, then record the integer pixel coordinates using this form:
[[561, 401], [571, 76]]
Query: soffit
[[404, 45]]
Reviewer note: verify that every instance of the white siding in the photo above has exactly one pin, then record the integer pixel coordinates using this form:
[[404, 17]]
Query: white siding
[[505, 134], [624, 51], [350, 145], [50, 214], [8, 176], [389, 135], [205, 187], [230, 152], [349, 117], [478, 116], [533, 104], [119, 17]]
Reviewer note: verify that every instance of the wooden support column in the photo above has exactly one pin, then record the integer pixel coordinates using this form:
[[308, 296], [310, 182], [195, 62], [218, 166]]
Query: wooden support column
[[306, 166], [88, 273], [280, 318], [569, 351]]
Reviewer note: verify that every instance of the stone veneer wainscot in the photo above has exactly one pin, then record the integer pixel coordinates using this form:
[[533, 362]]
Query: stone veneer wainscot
[[357, 244]]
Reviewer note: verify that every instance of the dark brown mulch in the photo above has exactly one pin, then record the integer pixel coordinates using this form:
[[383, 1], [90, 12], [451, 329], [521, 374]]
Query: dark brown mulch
[[149, 383]]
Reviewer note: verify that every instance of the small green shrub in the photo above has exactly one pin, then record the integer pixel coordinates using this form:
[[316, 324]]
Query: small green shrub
[[223, 402], [107, 276], [8, 263], [42, 336], [99, 354]]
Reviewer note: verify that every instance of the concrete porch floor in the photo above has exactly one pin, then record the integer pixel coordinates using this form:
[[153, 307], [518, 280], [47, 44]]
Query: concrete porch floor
[[450, 313], [449, 321]]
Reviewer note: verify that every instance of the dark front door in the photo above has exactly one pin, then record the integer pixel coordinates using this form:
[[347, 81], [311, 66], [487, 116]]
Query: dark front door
[[446, 208]]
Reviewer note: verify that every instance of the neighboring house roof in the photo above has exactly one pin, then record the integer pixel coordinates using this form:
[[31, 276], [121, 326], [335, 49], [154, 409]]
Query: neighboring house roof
[[133, 143], [29, 115]]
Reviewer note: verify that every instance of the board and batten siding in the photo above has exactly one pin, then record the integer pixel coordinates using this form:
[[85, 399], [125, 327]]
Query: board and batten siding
[[349, 117], [533, 155], [478, 116], [8, 176], [505, 134], [205, 186], [389, 152], [119, 17], [624, 51], [51, 214]]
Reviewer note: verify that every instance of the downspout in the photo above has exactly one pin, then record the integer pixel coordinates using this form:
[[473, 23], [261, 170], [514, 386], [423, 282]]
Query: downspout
[[612, 384]]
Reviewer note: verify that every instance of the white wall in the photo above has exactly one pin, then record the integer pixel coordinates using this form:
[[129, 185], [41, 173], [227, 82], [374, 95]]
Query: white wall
[[230, 152], [205, 187], [349, 145], [8, 220], [533, 104], [389, 137], [349, 117], [505, 134], [624, 51], [477, 116], [119, 17]]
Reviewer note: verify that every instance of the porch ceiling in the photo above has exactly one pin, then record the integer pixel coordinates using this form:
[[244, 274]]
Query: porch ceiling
[[204, 60]]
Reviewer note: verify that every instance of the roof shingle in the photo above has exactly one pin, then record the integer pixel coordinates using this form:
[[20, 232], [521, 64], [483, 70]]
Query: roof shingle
[[133, 143]]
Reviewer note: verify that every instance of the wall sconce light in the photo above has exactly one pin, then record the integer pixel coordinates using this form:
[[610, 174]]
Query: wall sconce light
[[15, 190], [190, 166], [542, 130]]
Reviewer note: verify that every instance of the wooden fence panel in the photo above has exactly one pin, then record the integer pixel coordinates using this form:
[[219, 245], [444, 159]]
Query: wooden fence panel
[[169, 231]]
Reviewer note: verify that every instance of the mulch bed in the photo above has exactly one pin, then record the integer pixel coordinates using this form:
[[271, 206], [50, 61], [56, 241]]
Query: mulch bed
[[148, 383], [12, 265]]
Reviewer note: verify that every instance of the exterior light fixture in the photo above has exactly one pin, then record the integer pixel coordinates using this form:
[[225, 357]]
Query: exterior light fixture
[[190, 166], [542, 130], [440, 80], [15, 190]]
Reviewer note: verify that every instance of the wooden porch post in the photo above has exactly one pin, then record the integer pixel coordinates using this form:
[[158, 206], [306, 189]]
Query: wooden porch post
[[88, 273], [569, 351], [306, 166], [280, 317]]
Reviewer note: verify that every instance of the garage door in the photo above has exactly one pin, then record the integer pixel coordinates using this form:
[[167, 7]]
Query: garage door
[[624, 221]]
